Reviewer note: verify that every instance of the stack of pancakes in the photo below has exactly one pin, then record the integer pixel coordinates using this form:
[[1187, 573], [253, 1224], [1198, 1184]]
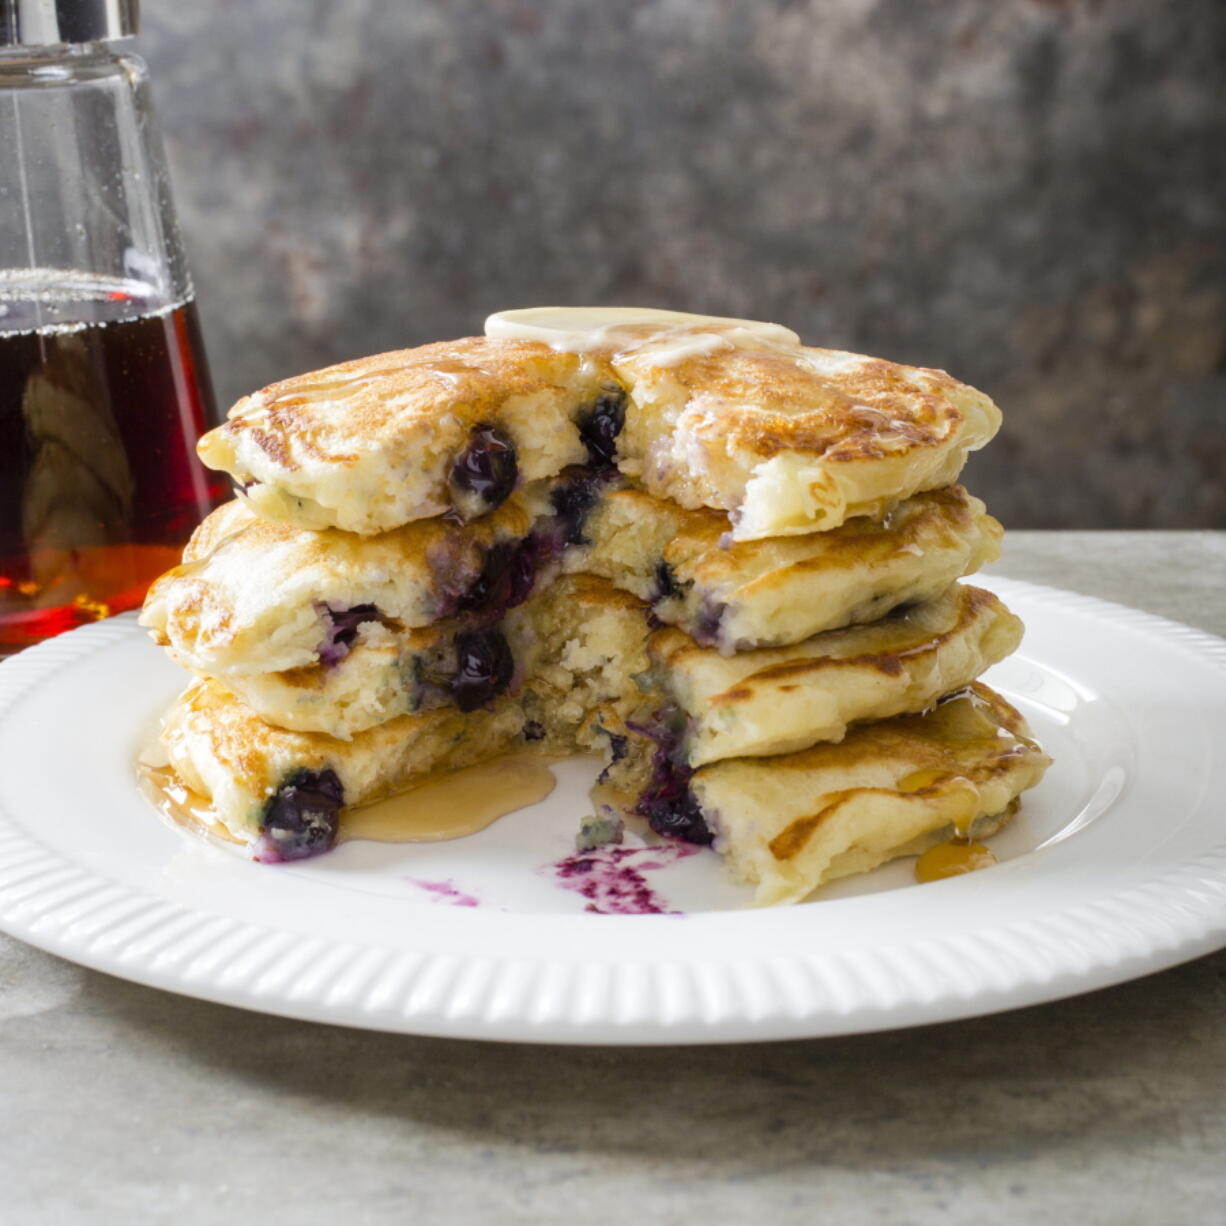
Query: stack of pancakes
[[726, 561]]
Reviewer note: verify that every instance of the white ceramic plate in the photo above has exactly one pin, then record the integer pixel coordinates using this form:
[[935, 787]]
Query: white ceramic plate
[[1115, 867]]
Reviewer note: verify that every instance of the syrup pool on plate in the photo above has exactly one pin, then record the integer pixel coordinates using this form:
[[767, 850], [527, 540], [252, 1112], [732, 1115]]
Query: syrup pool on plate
[[447, 805]]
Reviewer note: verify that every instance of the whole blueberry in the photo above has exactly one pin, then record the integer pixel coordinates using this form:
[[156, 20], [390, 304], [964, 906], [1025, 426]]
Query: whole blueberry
[[667, 802], [600, 426], [665, 587], [483, 669], [572, 501], [677, 818], [484, 473], [506, 578], [342, 629], [300, 818]]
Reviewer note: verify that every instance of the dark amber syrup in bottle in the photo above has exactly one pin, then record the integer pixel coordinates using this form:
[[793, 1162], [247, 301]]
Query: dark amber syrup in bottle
[[100, 486]]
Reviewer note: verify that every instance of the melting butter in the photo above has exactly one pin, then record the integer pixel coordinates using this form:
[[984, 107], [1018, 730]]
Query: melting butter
[[609, 329], [452, 805]]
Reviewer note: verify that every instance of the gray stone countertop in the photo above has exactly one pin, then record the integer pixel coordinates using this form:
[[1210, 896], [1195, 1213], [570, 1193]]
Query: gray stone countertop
[[123, 1105]]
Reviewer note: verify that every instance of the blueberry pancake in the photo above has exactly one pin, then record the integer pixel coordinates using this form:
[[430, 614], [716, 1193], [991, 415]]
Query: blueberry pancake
[[257, 596], [739, 416], [452, 427], [768, 593], [283, 792], [324, 597], [786, 439], [756, 702], [723, 560], [779, 699], [792, 439], [466, 661], [788, 824]]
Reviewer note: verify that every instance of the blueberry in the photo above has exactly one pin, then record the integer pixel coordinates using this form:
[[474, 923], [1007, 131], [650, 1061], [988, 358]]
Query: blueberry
[[667, 802], [485, 472], [666, 583], [600, 426], [709, 622], [483, 670], [506, 578], [300, 819], [619, 746], [342, 630], [676, 817], [534, 730], [572, 501]]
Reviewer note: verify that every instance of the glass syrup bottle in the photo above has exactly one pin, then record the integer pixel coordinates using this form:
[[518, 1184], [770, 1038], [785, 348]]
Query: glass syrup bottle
[[104, 387]]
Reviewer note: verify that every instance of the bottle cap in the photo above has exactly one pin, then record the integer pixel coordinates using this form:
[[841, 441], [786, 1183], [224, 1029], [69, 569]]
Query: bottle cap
[[48, 23]]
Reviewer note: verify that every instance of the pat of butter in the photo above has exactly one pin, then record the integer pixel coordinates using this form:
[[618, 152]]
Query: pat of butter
[[609, 329]]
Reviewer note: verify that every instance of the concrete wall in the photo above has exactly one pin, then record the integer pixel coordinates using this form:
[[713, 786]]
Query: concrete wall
[[1029, 194]]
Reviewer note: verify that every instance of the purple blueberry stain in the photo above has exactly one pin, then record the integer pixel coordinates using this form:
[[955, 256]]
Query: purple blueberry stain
[[300, 819], [446, 891], [341, 629], [612, 879], [483, 474]]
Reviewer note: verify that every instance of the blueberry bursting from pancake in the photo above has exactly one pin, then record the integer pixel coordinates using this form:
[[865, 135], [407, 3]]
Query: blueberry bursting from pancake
[[483, 671], [301, 817], [342, 628], [484, 473], [600, 426], [506, 578], [666, 801]]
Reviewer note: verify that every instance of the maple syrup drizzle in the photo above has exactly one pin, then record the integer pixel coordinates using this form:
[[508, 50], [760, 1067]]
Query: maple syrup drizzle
[[179, 804], [952, 859]]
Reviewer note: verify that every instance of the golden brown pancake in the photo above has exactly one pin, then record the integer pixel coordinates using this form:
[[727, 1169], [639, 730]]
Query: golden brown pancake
[[779, 699], [256, 596], [375, 443], [786, 439], [738, 595], [787, 825], [792, 439]]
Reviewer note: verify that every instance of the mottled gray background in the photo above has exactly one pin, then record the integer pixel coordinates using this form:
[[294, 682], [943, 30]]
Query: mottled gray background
[[1029, 194]]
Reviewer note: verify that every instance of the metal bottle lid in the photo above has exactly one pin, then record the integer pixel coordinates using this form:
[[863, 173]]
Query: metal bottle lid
[[47, 23]]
